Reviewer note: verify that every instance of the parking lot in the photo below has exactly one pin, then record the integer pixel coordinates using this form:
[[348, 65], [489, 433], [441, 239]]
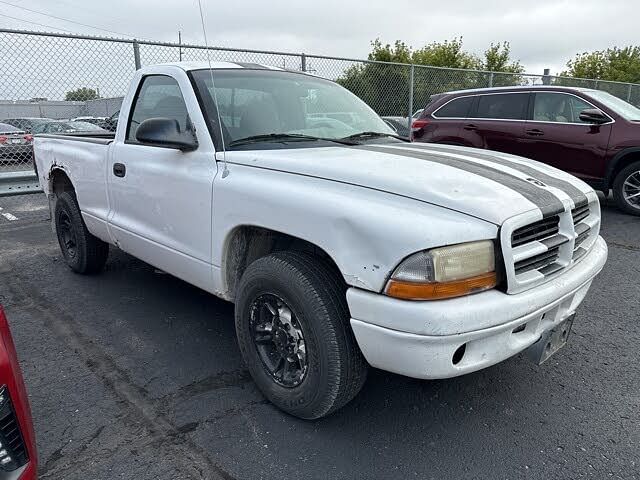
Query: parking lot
[[135, 374]]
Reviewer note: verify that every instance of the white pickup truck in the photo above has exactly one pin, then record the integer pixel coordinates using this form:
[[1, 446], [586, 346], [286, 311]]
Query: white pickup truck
[[341, 245]]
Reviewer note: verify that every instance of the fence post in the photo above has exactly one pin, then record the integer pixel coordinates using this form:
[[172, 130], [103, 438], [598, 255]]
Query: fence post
[[410, 119], [546, 78], [490, 79], [303, 62], [629, 93], [136, 54]]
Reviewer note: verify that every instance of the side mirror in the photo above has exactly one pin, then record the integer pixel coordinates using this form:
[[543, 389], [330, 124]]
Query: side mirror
[[593, 115], [165, 132]]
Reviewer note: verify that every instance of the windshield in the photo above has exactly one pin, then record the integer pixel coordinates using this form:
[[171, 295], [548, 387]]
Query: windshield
[[267, 102], [622, 108]]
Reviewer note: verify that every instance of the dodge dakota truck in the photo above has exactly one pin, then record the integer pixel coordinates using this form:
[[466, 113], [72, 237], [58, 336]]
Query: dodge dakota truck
[[341, 245]]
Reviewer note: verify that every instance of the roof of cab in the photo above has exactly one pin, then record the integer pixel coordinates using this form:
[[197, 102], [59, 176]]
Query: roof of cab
[[188, 66]]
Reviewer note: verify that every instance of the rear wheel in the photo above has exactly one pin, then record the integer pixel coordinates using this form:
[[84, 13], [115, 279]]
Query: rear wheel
[[293, 330], [626, 189], [83, 252]]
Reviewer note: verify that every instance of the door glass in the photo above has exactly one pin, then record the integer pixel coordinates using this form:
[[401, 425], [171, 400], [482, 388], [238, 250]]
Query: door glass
[[457, 108], [159, 96], [504, 106], [558, 107], [577, 106]]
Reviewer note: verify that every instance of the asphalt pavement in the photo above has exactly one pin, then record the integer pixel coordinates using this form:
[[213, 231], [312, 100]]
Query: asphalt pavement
[[136, 374]]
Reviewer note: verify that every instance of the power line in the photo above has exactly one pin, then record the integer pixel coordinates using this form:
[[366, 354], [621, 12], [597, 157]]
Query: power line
[[63, 19], [33, 23], [83, 8]]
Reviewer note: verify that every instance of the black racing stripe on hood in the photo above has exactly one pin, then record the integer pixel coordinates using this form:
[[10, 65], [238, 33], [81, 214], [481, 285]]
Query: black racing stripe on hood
[[577, 195], [546, 201]]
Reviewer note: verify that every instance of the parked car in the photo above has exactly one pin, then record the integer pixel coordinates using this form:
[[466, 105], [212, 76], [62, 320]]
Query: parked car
[[18, 458], [417, 113], [111, 122], [341, 245], [588, 133], [399, 124], [26, 123], [15, 144], [102, 122], [68, 126]]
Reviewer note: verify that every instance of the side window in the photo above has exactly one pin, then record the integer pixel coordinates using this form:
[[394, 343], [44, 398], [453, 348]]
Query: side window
[[457, 108], [554, 107], [159, 96], [507, 106], [577, 106]]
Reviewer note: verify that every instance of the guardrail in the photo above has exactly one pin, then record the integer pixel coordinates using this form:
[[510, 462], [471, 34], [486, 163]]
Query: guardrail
[[16, 183]]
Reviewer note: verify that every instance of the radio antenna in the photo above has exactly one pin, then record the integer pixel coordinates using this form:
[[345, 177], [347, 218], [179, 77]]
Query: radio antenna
[[225, 170]]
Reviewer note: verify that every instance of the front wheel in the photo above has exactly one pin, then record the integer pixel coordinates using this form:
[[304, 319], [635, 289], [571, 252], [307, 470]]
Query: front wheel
[[293, 330], [626, 189]]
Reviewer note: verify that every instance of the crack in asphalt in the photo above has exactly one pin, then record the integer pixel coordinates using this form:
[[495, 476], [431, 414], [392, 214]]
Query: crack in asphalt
[[633, 248]]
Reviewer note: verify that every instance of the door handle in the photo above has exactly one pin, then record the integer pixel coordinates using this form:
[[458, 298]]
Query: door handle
[[534, 132], [119, 170], [470, 126]]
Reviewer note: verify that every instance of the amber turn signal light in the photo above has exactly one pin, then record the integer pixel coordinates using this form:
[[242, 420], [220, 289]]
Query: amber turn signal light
[[441, 290]]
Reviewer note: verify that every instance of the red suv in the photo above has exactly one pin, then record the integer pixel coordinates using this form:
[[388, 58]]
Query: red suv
[[588, 133]]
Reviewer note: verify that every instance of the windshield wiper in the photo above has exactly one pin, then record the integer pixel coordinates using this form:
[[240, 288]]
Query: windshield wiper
[[275, 137], [365, 135]]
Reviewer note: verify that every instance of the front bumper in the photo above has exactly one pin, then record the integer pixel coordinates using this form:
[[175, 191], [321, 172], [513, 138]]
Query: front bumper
[[419, 339]]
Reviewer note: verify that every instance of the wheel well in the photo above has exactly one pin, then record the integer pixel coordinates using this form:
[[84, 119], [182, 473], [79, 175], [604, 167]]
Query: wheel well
[[248, 243], [622, 163], [59, 182]]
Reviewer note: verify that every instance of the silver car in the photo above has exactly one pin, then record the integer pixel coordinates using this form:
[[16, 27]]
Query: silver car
[[15, 144]]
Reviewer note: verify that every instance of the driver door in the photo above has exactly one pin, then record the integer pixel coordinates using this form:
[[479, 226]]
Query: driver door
[[161, 198], [554, 134]]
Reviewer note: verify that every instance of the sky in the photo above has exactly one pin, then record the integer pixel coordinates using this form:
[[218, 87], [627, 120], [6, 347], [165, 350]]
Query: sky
[[542, 33]]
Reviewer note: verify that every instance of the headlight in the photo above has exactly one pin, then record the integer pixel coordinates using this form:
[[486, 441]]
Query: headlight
[[445, 272]]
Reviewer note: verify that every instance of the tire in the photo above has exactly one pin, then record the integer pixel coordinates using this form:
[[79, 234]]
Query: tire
[[83, 252], [631, 176], [315, 296]]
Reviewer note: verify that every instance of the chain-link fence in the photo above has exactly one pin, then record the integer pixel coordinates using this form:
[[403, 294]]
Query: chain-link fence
[[58, 82]]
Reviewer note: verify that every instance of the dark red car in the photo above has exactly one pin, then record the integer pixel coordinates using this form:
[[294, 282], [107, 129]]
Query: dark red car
[[18, 448], [588, 133]]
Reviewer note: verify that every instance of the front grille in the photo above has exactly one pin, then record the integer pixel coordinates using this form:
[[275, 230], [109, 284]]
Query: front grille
[[540, 249], [547, 227], [13, 453]]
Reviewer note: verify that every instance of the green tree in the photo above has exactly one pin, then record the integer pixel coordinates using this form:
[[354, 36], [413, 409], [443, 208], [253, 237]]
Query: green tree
[[446, 54], [385, 87], [81, 94], [497, 58], [616, 64]]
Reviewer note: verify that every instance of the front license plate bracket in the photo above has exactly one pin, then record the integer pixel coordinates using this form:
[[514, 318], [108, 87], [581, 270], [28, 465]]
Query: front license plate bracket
[[551, 341]]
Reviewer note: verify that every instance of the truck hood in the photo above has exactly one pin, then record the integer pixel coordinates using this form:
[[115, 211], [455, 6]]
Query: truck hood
[[488, 185]]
